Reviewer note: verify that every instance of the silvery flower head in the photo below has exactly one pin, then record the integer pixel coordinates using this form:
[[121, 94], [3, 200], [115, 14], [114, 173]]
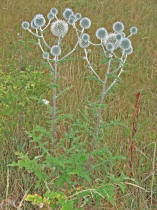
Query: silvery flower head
[[46, 55], [133, 30], [119, 37], [71, 19], [110, 46], [128, 51], [111, 38], [39, 20], [50, 16], [67, 12], [101, 33], [78, 16], [25, 25], [85, 37], [55, 50], [59, 28], [125, 44], [83, 44], [85, 23], [33, 25], [54, 11], [118, 27]]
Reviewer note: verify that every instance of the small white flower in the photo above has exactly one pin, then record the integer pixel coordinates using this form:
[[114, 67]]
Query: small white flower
[[45, 101]]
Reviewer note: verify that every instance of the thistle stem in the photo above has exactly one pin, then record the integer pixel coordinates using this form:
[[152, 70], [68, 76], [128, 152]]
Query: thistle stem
[[100, 107], [54, 107]]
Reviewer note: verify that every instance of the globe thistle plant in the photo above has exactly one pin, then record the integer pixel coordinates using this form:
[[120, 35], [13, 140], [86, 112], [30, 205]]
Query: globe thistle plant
[[109, 43], [52, 55]]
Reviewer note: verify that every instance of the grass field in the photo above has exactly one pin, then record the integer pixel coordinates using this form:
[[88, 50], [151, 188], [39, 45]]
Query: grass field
[[23, 76]]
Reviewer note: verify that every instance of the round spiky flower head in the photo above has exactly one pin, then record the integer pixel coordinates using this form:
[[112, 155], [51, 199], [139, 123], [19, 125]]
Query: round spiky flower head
[[71, 19], [111, 38], [33, 25], [55, 50], [54, 11], [85, 37], [125, 44], [118, 27], [25, 25], [101, 33], [129, 51], [83, 44], [50, 16], [39, 20], [110, 47], [78, 16], [67, 12], [118, 37], [45, 55], [59, 28], [85, 23], [133, 30]]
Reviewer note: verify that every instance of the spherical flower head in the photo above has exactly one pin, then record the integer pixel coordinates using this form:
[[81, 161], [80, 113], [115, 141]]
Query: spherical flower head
[[128, 51], [111, 38], [83, 44], [101, 33], [39, 20], [33, 25], [119, 37], [78, 16], [133, 30], [71, 19], [67, 12], [85, 23], [125, 44], [59, 28], [50, 16], [54, 11], [110, 47], [46, 55], [55, 50], [85, 37], [118, 27], [25, 25]]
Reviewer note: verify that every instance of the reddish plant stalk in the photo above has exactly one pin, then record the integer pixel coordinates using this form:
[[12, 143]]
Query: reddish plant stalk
[[137, 107]]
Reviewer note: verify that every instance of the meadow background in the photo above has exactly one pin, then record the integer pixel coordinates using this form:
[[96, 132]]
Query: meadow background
[[23, 77]]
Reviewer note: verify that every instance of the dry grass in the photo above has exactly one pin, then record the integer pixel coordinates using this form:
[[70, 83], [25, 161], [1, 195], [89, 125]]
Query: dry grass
[[140, 77]]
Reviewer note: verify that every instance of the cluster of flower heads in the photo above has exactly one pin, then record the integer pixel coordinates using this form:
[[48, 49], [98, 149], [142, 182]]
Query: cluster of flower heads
[[59, 28], [117, 39]]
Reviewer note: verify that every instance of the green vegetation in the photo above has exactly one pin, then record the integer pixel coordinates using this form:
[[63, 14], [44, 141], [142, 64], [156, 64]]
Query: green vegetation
[[68, 178]]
